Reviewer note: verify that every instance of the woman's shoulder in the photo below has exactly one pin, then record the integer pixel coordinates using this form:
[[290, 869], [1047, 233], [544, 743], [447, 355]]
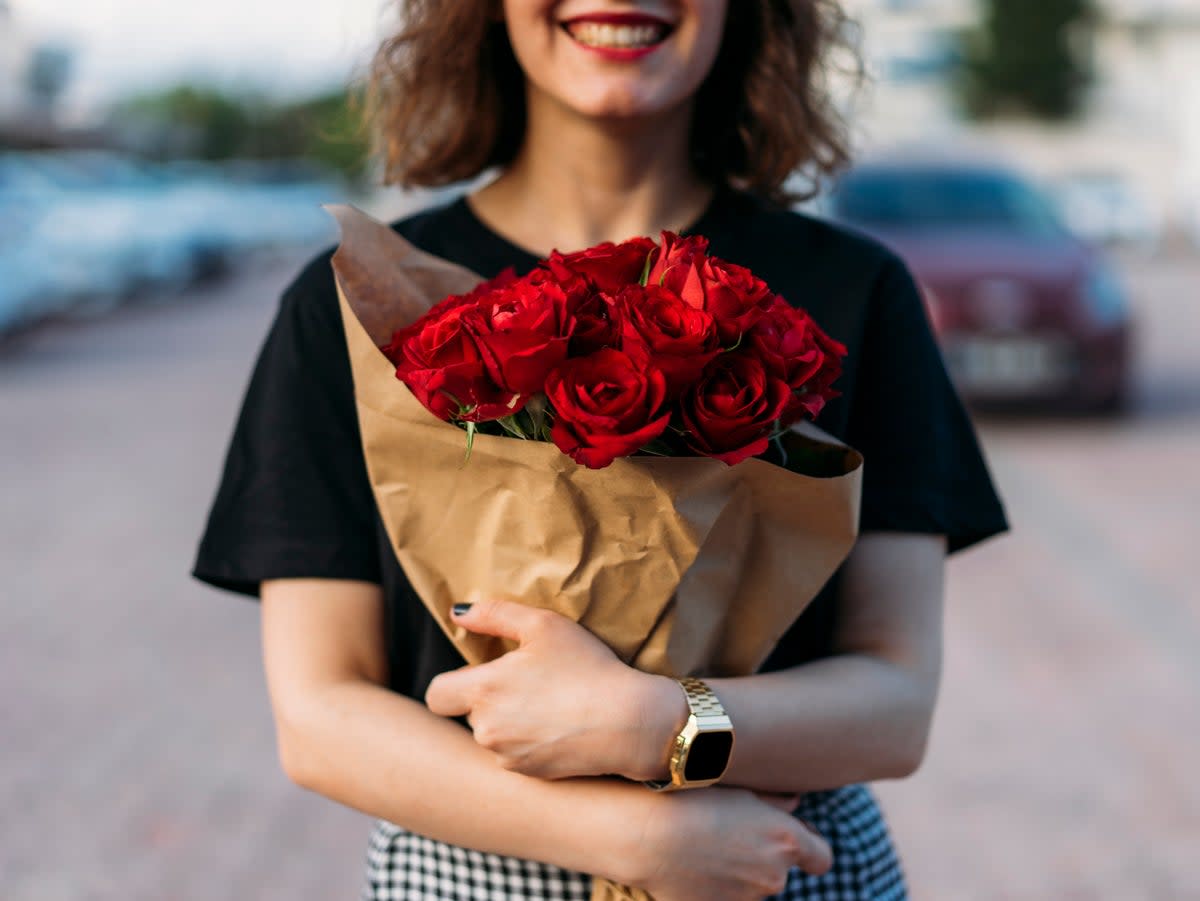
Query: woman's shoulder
[[814, 238], [311, 295], [802, 255]]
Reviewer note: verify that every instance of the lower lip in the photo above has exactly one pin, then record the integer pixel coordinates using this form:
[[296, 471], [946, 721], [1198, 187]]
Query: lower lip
[[620, 54]]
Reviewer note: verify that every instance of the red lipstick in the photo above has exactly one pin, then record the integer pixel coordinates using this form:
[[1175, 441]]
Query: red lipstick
[[618, 19]]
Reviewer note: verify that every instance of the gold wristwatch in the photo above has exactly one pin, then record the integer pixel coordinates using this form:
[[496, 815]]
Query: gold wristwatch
[[702, 749]]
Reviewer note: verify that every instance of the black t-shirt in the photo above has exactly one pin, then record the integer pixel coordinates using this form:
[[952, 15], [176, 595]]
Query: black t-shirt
[[295, 501]]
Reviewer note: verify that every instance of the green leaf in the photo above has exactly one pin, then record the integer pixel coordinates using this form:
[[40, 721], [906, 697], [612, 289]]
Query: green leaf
[[656, 448], [536, 412], [508, 423], [471, 429], [646, 270], [777, 438]]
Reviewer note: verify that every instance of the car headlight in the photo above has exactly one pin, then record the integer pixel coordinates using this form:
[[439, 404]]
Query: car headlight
[[1105, 296]]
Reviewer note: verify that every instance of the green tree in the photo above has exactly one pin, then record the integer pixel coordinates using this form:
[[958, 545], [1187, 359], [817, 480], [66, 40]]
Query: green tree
[[191, 121], [329, 131], [1030, 57], [205, 123]]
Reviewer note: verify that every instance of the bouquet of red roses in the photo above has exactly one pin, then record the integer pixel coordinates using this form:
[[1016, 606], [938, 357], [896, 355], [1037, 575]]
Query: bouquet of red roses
[[623, 348], [618, 355]]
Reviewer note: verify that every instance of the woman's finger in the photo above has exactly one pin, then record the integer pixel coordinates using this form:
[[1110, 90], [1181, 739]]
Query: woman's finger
[[449, 693], [813, 854], [504, 619]]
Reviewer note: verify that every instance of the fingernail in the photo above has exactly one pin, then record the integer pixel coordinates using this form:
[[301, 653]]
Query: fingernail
[[461, 609]]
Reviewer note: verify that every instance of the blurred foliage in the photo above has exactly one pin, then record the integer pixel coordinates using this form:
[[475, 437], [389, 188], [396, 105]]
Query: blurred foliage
[[1029, 57], [194, 122]]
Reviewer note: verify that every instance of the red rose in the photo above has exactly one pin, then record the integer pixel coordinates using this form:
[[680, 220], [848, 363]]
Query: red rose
[[796, 349], [676, 251], [605, 406], [819, 389], [608, 267], [597, 324], [392, 350], [438, 359], [521, 330], [731, 294], [659, 328], [732, 412]]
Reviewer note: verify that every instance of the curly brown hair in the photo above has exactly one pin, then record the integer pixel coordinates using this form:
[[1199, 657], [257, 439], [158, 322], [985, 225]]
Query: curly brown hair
[[447, 97]]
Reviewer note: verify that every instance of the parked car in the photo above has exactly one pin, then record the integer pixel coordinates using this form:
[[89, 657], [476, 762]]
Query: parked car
[[1025, 310], [81, 231]]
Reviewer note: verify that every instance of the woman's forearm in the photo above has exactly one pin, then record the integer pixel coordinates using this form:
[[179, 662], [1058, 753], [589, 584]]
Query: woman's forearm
[[852, 718], [837, 721], [389, 757], [861, 715]]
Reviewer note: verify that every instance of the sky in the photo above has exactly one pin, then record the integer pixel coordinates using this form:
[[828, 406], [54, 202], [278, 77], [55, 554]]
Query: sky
[[288, 47]]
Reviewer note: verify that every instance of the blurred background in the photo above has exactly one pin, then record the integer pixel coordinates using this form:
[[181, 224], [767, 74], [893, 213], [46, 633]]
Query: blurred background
[[161, 170]]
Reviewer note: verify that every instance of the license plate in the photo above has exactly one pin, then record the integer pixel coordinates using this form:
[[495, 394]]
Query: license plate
[[1008, 364]]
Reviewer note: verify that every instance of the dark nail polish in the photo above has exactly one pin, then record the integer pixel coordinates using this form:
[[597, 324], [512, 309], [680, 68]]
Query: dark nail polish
[[462, 609]]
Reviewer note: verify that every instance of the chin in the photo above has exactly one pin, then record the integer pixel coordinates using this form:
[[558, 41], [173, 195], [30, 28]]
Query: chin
[[624, 101]]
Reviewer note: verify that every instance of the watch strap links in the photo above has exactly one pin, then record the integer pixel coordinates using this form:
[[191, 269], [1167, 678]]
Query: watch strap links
[[706, 714]]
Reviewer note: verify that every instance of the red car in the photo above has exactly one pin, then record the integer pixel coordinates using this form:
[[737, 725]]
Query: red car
[[1025, 311]]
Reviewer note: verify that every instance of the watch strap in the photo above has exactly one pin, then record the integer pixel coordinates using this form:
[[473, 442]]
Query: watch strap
[[701, 699], [705, 714]]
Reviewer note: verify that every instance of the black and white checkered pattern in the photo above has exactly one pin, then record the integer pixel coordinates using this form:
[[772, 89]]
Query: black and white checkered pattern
[[402, 866], [865, 866]]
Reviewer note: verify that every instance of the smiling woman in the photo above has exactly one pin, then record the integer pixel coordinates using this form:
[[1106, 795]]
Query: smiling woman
[[450, 100], [605, 120]]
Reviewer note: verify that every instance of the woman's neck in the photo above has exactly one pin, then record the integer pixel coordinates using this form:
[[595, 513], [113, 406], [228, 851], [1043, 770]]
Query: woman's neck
[[577, 182]]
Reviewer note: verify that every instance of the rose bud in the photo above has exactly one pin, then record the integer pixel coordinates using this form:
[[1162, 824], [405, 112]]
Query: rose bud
[[605, 406], [731, 294], [732, 411], [676, 256]]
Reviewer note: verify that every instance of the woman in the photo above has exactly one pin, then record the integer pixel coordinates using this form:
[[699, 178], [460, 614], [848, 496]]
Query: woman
[[606, 120]]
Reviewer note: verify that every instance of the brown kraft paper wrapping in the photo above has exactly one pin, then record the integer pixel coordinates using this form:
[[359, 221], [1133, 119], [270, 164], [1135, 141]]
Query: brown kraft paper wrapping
[[683, 566]]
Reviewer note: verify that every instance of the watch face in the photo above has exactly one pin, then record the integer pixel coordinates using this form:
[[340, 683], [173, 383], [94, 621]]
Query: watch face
[[709, 756]]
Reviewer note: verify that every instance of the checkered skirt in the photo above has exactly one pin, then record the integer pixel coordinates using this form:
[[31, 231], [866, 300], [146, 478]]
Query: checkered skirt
[[402, 866]]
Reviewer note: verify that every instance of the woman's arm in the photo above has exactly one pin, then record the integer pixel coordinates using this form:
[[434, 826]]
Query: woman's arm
[[563, 705], [865, 713], [343, 735]]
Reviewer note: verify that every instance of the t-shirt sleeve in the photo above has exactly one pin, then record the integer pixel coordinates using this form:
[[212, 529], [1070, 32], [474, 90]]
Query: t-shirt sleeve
[[294, 500], [924, 470]]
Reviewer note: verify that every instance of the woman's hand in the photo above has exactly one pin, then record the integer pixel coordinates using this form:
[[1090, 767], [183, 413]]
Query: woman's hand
[[561, 704], [723, 844]]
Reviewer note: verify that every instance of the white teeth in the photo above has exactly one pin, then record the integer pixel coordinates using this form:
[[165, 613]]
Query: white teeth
[[621, 37]]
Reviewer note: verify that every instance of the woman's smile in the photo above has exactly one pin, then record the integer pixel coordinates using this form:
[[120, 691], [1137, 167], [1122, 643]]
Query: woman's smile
[[606, 60], [619, 35]]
